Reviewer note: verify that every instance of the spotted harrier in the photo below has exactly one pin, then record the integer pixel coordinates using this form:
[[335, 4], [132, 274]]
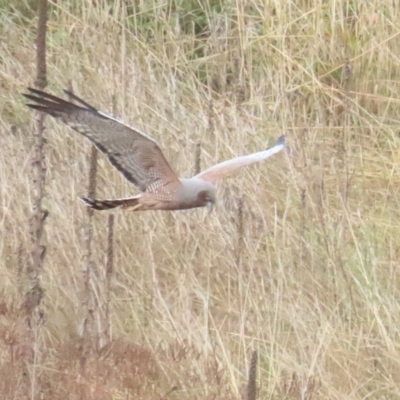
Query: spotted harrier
[[139, 158]]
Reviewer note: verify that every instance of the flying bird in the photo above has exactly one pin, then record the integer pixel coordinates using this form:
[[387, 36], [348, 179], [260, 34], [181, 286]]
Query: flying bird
[[139, 158]]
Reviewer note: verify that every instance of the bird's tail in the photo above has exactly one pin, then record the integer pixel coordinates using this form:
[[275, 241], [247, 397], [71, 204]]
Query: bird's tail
[[101, 205]]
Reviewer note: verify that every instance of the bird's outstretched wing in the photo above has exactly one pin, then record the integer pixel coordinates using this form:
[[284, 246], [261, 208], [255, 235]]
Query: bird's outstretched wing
[[134, 154], [218, 171]]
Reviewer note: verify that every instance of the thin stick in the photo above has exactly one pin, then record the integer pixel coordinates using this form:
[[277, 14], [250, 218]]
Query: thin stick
[[197, 165], [240, 230], [91, 195], [251, 383], [34, 295], [41, 78], [109, 272], [90, 303]]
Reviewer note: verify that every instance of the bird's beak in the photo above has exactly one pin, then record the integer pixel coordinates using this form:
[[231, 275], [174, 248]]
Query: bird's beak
[[210, 206]]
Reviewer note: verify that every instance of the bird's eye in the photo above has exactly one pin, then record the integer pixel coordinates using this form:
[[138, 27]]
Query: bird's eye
[[204, 196]]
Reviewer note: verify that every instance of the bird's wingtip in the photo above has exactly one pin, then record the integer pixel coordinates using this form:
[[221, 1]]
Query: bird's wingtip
[[280, 141], [86, 201], [33, 90]]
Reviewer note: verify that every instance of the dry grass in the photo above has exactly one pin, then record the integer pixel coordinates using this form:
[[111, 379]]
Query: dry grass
[[299, 260]]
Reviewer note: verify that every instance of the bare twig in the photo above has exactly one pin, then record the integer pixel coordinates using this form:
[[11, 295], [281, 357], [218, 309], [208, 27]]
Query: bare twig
[[251, 383], [211, 114], [90, 301], [240, 230], [41, 78], [34, 295], [91, 195], [109, 272], [197, 165]]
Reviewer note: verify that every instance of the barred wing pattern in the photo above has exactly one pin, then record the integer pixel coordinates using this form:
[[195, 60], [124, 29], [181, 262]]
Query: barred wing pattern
[[134, 154]]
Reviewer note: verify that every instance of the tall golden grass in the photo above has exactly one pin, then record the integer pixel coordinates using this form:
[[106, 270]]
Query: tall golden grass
[[299, 261]]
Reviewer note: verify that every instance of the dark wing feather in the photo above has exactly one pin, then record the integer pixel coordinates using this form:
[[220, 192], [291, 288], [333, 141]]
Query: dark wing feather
[[135, 155]]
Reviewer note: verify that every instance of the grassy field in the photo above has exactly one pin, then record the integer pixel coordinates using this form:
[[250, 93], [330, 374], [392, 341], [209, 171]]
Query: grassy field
[[299, 260]]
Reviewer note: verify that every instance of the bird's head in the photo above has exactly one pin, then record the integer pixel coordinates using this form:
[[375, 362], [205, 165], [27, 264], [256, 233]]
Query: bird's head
[[197, 193], [207, 198]]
